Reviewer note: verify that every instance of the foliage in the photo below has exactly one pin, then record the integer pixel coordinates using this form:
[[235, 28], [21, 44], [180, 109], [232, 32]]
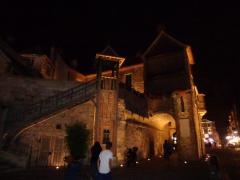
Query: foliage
[[77, 139]]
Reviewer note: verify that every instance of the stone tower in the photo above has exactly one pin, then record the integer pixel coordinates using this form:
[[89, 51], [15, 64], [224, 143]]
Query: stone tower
[[167, 75], [107, 97]]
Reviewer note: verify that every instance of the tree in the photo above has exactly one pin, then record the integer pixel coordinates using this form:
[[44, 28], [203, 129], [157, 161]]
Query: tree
[[77, 140]]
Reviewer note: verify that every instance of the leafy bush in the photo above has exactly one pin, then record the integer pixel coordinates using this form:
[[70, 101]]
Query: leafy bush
[[77, 140]]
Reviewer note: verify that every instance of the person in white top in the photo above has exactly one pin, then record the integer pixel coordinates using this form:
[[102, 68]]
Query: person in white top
[[105, 163]]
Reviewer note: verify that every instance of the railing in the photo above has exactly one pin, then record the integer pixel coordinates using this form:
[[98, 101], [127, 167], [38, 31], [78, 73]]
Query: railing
[[76, 95]]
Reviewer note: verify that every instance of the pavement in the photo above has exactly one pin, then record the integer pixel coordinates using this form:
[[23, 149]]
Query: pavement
[[153, 169], [156, 169]]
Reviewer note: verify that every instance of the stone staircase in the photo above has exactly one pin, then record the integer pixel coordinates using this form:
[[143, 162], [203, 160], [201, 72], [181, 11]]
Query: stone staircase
[[20, 118]]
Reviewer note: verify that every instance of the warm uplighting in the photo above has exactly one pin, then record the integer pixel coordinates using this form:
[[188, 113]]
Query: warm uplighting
[[206, 135], [121, 165], [233, 140], [228, 137], [148, 159], [207, 157], [57, 167]]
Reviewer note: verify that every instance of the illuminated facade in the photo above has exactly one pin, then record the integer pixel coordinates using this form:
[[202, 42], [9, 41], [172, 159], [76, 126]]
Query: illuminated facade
[[210, 134], [233, 137], [136, 105]]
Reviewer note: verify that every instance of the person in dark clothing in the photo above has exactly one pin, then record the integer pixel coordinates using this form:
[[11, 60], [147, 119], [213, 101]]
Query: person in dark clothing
[[167, 149], [134, 155], [73, 169], [129, 157], [95, 151], [214, 168]]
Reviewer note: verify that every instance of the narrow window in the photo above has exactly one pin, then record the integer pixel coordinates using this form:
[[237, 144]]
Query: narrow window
[[182, 105], [106, 136], [128, 81]]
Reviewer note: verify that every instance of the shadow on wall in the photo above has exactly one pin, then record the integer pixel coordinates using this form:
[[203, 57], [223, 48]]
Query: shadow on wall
[[151, 152]]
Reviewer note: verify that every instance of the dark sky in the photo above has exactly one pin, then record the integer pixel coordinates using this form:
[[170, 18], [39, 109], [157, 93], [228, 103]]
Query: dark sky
[[82, 28]]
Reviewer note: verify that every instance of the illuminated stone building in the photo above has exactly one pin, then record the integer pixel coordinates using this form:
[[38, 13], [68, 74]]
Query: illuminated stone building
[[138, 105], [233, 121], [210, 133], [233, 137]]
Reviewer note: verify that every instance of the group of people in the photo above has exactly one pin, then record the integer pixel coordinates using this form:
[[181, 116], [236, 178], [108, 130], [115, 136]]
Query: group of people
[[101, 161], [131, 156]]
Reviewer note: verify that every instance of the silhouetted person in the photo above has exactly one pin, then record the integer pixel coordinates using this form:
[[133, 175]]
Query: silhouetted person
[[134, 155], [129, 157], [214, 168], [95, 151], [73, 169], [167, 149]]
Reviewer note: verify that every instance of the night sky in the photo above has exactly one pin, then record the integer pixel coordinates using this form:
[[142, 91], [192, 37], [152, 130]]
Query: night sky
[[81, 29]]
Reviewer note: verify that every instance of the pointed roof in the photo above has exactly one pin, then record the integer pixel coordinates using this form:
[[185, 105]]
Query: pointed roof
[[163, 43], [110, 51], [110, 55]]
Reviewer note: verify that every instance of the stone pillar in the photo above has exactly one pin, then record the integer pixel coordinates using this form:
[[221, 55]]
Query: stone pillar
[[186, 133], [106, 118]]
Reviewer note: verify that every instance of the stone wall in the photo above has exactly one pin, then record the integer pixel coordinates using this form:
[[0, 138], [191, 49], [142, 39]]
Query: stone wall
[[21, 91], [144, 133], [45, 141]]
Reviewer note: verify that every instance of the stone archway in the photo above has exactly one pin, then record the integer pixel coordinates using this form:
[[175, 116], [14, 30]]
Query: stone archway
[[166, 124], [146, 134]]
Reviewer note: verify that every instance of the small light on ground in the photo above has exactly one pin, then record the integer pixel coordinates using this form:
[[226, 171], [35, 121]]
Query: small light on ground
[[185, 162], [149, 159], [121, 165], [137, 162], [57, 167], [160, 156], [207, 157]]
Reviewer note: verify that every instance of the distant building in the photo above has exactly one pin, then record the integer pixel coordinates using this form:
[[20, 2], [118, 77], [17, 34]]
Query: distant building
[[233, 134], [233, 123], [210, 133]]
